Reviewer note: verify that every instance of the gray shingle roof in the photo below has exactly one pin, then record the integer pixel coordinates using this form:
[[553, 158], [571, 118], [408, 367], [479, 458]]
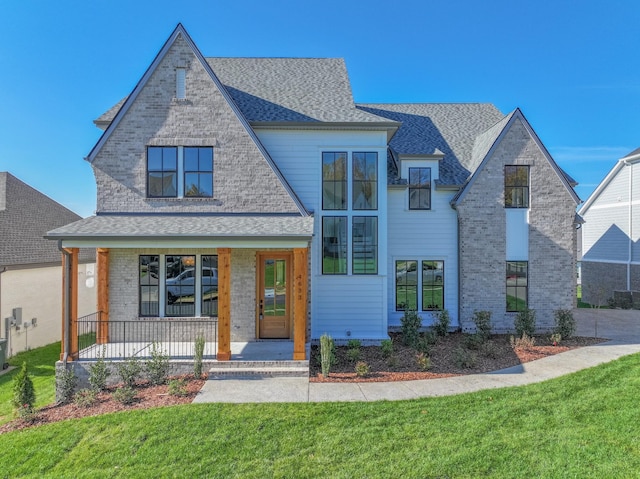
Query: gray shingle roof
[[26, 217], [288, 90], [633, 153], [161, 227], [450, 128]]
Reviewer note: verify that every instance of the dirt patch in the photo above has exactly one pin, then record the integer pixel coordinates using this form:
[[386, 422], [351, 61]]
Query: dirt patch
[[452, 355]]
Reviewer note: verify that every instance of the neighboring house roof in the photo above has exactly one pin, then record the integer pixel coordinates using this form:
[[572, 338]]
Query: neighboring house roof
[[163, 227], [25, 216], [433, 128], [493, 137], [630, 158]]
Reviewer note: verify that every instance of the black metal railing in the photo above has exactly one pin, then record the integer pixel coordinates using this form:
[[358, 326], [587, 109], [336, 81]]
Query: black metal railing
[[124, 339]]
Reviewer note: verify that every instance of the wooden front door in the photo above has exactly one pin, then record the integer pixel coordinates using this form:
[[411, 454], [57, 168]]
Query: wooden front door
[[274, 295]]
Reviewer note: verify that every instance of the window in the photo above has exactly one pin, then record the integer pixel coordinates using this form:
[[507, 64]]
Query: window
[[198, 172], [419, 188], [181, 90], [148, 281], [180, 285], [365, 181], [209, 285], [162, 171], [334, 245], [365, 245], [516, 186], [517, 285], [177, 172], [432, 285], [406, 285], [334, 181]]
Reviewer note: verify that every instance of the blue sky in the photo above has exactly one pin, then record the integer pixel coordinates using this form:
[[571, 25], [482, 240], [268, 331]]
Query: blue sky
[[573, 67]]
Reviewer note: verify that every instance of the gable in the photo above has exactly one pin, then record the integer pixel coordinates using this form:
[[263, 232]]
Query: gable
[[245, 179], [515, 143]]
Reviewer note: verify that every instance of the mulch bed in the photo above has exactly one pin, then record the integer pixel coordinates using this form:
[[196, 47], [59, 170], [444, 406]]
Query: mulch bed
[[443, 358]]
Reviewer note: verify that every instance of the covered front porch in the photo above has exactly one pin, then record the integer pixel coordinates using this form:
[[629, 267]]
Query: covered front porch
[[256, 289]]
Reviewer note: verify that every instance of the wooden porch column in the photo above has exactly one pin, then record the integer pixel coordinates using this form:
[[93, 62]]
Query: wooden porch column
[[102, 335], [224, 304], [70, 285], [301, 283]]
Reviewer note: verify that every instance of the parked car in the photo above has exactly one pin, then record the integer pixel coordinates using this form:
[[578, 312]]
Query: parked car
[[184, 284]]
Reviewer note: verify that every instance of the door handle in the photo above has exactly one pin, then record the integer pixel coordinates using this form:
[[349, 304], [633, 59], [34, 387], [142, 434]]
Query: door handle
[[260, 306]]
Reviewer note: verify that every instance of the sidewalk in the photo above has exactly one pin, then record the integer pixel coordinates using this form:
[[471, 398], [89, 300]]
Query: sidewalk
[[621, 327]]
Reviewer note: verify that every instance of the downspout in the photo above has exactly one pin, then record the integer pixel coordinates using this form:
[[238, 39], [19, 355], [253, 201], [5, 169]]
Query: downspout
[[6, 329], [630, 225], [67, 301]]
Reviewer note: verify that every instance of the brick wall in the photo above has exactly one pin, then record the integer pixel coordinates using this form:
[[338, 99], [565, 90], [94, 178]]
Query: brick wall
[[482, 233]]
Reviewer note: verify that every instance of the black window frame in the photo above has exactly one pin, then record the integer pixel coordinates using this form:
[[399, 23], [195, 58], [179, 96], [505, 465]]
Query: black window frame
[[333, 249], [208, 263], [403, 266], [517, 183], [517, 280], [329, 178], [419, 187], [436, 280], [362, 181], [162, 170], [177, 270], [149, 259], [364, 244], [200, 171]]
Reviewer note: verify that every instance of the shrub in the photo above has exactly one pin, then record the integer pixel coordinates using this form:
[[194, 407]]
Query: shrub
[[85, 397], [98, 373], [125, 395], [474, 341], [443, 320], [423, 345], [129, 370], [463, 358], [430, 337], [386, 345], [482, 320], [523, 342], [362, 369], [489, 350], [198, 355], [354, 344], [24, 395], [178, 387], [392, 362], [353, 351], [525, 322], [327, 354], [66, 382], [565, 323], [556, 338], [157, 366], [423, 361], [411, 322]]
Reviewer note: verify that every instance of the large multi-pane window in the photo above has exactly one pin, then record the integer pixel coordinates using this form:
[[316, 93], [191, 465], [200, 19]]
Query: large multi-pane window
[[162, 171], [364, 241], [432, 285], [419, 188], [334, 181], [406, 285], [176, 171], [198, 171], [517, 285], [516, 186], [426, 289], [149, 285], [365, 180], [182, 282], [334, 245]]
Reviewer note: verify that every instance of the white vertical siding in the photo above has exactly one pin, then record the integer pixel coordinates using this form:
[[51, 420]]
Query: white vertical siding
[[343, 306], [423, 235]]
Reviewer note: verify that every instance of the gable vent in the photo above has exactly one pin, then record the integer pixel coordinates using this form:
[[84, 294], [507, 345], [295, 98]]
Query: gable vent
[[180, 83]]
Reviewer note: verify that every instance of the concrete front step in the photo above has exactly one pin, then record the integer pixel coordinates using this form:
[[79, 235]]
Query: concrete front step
[[259, 368]]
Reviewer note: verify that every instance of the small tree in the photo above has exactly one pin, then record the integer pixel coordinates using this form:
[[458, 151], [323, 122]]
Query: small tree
[[327, 354], [197, 356], [525, 322], [565, 323], [443, 321], [98, 373], [482, 320], [410, 325], [24, 395]]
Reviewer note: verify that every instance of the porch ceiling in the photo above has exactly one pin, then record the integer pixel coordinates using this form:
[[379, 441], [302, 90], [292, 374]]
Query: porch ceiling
[[186, 230]]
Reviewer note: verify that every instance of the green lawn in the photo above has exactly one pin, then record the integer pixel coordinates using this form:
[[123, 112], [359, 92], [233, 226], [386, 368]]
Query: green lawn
[[41, 363], [582, 425]]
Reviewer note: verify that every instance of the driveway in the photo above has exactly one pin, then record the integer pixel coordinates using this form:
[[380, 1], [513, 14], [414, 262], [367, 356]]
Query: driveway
[[620, 325]]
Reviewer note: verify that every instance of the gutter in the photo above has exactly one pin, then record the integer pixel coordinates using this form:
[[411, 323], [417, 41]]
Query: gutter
[[67, 307]]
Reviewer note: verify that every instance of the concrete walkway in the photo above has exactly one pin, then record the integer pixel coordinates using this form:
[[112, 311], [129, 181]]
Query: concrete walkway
[[622, 328]]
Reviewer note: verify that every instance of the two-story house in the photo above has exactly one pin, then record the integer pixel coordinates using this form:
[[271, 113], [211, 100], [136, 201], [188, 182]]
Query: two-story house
[[256, 191]]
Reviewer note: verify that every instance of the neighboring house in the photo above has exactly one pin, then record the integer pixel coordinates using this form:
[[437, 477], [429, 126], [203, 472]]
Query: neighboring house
[[610, 246], [318, 215], [30, 267]]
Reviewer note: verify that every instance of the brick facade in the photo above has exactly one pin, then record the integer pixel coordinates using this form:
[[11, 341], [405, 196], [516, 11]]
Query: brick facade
[[482, 237], [600, 280]]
